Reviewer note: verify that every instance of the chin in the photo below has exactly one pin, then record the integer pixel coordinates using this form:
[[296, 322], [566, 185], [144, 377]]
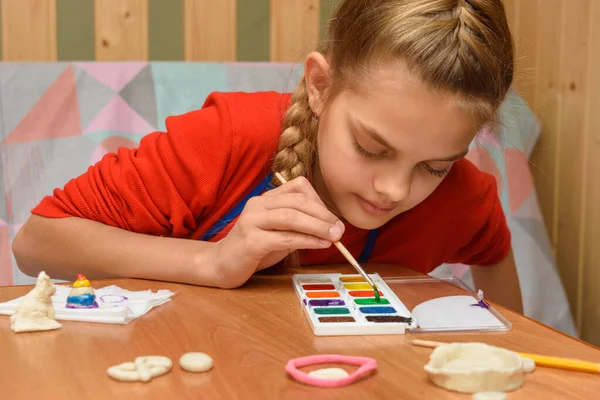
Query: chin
[[363, 220]]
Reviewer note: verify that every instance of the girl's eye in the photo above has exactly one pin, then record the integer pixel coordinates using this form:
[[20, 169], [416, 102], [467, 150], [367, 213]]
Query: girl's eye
[[366, 153], [436, 172]]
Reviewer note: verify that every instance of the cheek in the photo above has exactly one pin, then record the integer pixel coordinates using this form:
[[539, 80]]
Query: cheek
[[340, 163], [422, 187]]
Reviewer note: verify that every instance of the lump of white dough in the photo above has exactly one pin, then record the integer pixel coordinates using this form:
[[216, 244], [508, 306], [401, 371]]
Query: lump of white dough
[[475, 367], [528, 364], [35, 312], [329, 373], [196, 362], [143, 369], [489, 396]]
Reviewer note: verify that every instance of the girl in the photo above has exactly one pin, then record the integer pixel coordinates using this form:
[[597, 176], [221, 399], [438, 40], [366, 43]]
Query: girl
[[371, 141]]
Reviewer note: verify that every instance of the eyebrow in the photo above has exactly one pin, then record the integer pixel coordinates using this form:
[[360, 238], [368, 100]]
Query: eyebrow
[[374, 135], [455, 157], [377, 137]]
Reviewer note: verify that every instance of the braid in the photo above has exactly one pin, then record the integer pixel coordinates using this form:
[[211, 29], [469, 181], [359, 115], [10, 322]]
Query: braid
[[297, 147], [297, 142]]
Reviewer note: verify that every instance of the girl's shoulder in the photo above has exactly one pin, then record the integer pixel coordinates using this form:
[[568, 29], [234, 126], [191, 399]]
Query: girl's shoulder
[[254, 116]]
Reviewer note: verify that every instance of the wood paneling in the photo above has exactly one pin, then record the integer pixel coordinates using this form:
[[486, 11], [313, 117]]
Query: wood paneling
[[210, 28], [590, 296], [294, 29], [28, 30], [559, 76], [121, 30]]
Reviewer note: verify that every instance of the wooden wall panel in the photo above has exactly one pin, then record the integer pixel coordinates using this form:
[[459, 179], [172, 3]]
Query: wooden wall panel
[[121, 30], [294, 29], [28, 30], [590, 326], [571, 139], [527, 55], [557, 39], [548, 102], [210, 30]]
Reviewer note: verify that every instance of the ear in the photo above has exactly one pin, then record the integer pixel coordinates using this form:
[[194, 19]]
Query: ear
[[317, 77]]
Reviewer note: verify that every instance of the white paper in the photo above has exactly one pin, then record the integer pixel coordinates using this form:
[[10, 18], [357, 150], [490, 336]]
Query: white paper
[[454, 312], [115, 305]]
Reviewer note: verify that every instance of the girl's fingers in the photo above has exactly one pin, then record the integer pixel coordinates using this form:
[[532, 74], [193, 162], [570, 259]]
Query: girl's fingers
[[289, 241], [299, 201], [289, 219], [296, 185]]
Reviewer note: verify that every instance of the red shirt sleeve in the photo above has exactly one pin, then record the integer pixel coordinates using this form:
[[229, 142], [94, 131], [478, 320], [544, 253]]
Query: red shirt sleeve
[[492, 241], [162, 187]]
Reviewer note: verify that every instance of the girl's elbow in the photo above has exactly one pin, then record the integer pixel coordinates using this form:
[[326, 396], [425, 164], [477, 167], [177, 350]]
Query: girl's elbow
[[22, 247]]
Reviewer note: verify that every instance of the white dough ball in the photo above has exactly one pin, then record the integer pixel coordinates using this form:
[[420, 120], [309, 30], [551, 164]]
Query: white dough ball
[[328, 373], [196, 362], [528, 364], [489, 396]]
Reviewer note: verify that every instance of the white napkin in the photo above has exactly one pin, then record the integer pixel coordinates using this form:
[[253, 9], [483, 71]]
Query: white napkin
[[115, 305]]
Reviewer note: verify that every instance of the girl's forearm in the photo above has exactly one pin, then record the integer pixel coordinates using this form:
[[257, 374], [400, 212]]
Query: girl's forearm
[[63, 247], [500, 283]]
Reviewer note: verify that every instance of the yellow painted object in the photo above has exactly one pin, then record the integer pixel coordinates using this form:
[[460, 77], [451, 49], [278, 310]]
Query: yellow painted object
[[563, 363], [358, 286], [353, 278]]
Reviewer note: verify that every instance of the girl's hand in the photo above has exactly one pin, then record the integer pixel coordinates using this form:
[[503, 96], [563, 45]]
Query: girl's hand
[[270, 227]]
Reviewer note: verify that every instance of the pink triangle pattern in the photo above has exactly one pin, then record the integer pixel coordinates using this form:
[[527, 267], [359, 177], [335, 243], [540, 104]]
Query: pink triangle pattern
[[484, 161], [115, 75], [111, 145], [55, 115], [6, 268], [119, 116], [530, 208], [486, 136], [520, 184]]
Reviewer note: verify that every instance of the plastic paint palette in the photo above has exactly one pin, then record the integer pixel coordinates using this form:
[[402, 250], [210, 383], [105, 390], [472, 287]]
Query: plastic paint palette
[[337, 304]]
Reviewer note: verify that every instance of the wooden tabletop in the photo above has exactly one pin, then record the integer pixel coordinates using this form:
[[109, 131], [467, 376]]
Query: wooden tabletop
[[251, 333]]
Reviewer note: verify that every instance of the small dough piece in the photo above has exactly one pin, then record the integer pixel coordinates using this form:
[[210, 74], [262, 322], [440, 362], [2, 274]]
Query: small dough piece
[[528, 364], [144, 369], [489, 396], [196, 362], [125, 372], [329, 373]]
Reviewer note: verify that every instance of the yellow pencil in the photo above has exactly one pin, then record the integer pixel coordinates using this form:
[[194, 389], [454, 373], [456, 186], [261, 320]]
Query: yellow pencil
[[563, 363], [540, 360]]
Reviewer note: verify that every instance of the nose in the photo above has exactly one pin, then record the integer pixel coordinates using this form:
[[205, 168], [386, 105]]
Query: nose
[[393, 187]]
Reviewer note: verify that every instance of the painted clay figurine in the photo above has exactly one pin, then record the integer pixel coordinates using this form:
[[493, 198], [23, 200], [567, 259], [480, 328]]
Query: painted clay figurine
[[36, 311], [82, 294]]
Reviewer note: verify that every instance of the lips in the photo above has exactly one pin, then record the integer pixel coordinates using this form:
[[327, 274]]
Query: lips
[[375, 208]]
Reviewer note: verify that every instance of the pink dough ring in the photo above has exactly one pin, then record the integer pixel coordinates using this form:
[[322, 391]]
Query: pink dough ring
[[366, 365]]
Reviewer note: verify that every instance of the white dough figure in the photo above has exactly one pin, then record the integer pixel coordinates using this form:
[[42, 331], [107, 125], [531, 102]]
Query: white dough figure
[[36, 312]]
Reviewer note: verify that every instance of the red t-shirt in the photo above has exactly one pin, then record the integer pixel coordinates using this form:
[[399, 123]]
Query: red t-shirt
[[180, 182]]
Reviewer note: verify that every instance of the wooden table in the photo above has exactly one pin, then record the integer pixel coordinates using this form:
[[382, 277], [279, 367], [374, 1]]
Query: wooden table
[[251, 333]]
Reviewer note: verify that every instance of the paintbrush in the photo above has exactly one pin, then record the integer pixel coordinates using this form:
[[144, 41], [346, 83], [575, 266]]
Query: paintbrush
[[542, 361], [346, 254]]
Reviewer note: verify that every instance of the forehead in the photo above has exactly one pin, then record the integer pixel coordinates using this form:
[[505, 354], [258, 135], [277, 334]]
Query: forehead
[[400, 107]]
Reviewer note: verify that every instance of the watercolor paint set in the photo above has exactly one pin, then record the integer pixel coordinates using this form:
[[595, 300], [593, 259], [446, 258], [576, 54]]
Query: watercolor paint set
[[337, 304]]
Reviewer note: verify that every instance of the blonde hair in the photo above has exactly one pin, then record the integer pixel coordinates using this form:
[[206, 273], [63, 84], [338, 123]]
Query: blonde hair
[[462, 47]]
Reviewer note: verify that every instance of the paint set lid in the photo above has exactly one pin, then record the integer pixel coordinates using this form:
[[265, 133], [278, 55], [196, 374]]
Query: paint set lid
[[446, 304]]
